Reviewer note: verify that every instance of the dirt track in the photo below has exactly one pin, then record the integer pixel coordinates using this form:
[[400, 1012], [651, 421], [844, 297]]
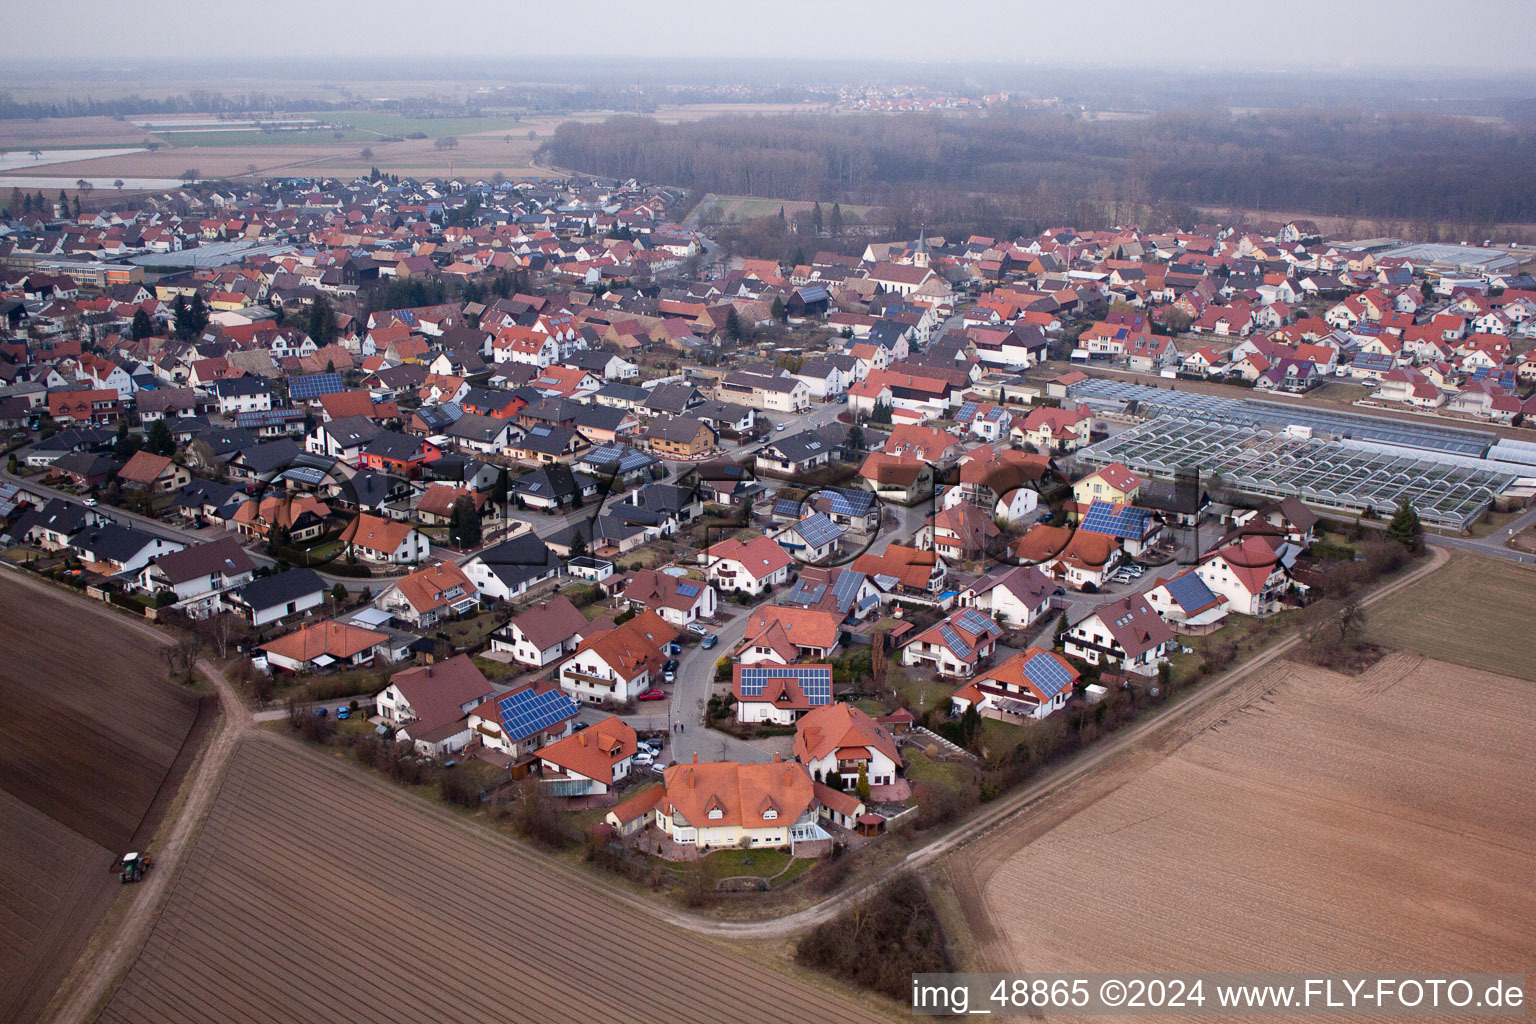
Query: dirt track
[[317, 894]]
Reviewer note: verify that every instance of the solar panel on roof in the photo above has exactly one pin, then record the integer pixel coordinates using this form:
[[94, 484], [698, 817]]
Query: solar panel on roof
[[952, 638], [1048, 674], [975, 621], [1125, 521], [314, 385], [815, 680], [818, 530], [844, 589], [967, 411], [1190, 591], [687, 590], [525, 712]]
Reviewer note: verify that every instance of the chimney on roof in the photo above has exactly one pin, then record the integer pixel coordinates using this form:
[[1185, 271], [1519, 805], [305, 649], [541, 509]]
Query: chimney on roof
[[775, 758], [695, 757]]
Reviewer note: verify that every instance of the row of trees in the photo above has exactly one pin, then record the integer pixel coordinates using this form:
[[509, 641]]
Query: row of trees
[[1349, 164]]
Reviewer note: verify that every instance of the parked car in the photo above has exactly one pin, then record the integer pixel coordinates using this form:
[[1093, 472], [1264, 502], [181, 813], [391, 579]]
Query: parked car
[[698, 628], [343, 712], [670, 665], [319, 712], [580, 726], [674, 648], [658, 768], [709, 641], [90, 502], [643, 757], [653, 694], [669, 676], [779, 427]]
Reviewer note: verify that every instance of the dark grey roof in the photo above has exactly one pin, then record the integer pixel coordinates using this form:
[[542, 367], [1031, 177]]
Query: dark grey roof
[[801, 447], [600, 417], [547, 440], [390, 444], [351, 430], [474, 427], [112, 542], [232, 387], [280, 588], [519, 559], [673, 398], [224, 555], [270, 457], [624, 393]]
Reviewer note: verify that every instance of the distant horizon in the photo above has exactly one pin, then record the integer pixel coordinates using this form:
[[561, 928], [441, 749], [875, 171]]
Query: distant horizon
[[1367, 37]]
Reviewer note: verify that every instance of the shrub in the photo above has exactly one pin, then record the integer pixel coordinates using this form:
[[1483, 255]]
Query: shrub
[[882, 941]]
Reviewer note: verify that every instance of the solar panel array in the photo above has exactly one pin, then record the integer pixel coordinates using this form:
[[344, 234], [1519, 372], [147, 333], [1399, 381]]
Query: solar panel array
[[954, 641], [815, 680], [818, 530], [525, 712], [687, 590], [805, 592], [975, 622], [967, 411], [844, 502], [787, 507], [1049, 675], [1190, 591], [846, 586], [314, 385], [1115, 520]]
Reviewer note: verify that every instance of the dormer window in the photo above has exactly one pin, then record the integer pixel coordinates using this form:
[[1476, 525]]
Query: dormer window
[[715, 814], [770, 814]]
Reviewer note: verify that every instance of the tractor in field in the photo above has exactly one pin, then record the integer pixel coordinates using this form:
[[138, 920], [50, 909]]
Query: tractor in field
[[133, 867]]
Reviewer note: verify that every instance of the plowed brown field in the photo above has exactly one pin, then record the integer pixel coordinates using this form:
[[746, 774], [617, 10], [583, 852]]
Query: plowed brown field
[[92, 733], [316, 894], [1382, 822]]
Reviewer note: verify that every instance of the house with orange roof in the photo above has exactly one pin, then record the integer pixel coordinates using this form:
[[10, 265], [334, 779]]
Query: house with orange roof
[[728, 805], [386, 540], [1047, 429], [428, 595], [617, 665], [1075, 557], [841, 742], [514, 724], [903, 479], [781, 635], [324, 645], [904, 571], [303, 516], [1027, 687], [752, 567], [590, 762]]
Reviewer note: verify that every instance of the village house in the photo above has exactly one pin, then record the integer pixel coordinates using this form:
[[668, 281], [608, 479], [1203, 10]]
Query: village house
[[1252, 572], [1018, 596], [514, 724], [752, 567], [154, 473], [429, 706], [542, 634], [270, 599], [956, 645], [839, 743], [386, 540], [679, 600], [1028, 686], [198, 575], [727, 805], [590, 762], [1126, 634], [779, 694], [1187, 604], [324, 645], [429, 595], [783, 635], [617, 665]]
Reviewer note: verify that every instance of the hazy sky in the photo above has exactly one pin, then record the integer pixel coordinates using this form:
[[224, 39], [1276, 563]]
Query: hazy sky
[[1486, 36]]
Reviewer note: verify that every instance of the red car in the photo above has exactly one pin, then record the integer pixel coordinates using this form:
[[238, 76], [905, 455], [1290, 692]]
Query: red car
[[653, 695]]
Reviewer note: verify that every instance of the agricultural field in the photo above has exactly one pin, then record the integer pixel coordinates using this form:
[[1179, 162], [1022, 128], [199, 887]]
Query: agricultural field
[[342, 899], [1315, 819], [93, 732], [66, 132], [1474, 612]]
